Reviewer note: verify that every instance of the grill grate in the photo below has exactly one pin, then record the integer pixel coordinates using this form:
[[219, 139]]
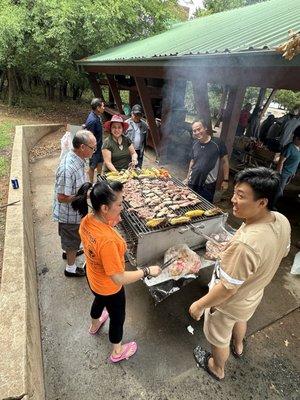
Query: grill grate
[[136, 226]]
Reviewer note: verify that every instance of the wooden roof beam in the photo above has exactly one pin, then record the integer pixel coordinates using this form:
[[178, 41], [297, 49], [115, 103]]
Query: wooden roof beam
[[146, 102], [96, 88], [231, 116], [286, 77], [115, 92]]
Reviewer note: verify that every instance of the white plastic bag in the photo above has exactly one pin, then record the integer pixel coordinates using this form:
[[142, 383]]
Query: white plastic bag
[[186, 261], [66, 144]]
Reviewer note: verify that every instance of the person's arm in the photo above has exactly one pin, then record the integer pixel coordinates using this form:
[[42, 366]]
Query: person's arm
[[133, 276], [107, 160], [134, 156], [63, 198], [225, 168], [189, 171], [218, 295], [281, 161]]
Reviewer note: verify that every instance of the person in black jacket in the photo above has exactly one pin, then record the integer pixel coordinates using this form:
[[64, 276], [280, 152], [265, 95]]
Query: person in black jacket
[[94, 125]]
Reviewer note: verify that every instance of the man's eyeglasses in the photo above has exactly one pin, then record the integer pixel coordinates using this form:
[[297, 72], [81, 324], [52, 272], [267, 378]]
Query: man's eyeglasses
[[90, 147]]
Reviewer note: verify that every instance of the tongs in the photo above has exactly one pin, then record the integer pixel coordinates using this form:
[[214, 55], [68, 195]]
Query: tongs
[[168, 263], [165, 265]]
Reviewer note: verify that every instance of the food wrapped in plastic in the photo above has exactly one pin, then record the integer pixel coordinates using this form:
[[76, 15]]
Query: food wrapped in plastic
[[216, 243], [186, 261]]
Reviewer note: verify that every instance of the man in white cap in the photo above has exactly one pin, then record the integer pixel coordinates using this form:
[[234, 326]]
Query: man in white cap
[[137, 132]]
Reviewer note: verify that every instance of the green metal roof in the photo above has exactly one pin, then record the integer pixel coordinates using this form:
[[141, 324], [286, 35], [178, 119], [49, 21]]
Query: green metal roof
[[260, 26]]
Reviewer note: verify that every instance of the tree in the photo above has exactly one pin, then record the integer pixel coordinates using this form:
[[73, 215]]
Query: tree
[[215, 6], [41, 39], [13, 51], [288, 99]]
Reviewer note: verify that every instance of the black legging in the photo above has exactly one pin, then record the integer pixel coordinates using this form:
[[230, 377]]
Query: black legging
[[115, 305]]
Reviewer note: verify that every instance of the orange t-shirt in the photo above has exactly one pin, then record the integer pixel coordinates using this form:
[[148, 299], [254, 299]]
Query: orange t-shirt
[[104, 251]]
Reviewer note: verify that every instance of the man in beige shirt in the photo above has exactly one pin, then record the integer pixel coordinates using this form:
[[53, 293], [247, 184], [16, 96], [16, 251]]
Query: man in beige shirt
[[243, 270]]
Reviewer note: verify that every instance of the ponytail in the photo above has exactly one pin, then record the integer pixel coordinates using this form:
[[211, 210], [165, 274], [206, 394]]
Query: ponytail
[[80, 201]]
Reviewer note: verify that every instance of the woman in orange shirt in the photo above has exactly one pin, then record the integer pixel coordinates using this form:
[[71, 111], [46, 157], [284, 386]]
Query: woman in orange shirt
[[104, 250]]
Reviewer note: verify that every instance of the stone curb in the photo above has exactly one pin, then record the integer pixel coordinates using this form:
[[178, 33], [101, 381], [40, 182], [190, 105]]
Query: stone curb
[[21, 363]]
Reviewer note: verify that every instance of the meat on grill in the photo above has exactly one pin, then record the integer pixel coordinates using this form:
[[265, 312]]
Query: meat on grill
[[155, 198]]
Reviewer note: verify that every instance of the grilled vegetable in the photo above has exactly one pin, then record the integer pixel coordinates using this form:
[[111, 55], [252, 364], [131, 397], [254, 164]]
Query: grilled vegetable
[[154, 222], [212, 212], [179, 220], [194, 213]]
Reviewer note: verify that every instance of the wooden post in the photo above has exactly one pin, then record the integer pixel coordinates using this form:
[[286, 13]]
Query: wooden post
[[110, 98], [232, 115], [96, 88], [146, 102], [133, 98], [200, 91], [113, 87], [267, 103], [222, 106]]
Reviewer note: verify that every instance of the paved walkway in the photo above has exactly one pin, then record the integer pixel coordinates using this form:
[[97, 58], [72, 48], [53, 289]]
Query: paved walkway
[[76, 365]]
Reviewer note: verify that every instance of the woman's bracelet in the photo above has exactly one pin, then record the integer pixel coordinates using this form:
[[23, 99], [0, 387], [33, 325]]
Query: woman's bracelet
[[146, 272]]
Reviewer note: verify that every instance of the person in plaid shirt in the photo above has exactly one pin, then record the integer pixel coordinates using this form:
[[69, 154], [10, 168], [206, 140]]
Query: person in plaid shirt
[[70, 176]]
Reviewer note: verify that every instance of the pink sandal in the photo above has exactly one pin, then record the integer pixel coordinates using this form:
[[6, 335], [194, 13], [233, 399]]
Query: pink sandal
[[102, 319], [129, 350]]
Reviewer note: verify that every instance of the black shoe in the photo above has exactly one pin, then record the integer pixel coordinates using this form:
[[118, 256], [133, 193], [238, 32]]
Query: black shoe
[[78, 273], [79, 253]]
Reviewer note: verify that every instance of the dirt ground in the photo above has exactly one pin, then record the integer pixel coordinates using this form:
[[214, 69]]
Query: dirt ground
[[76, 365]]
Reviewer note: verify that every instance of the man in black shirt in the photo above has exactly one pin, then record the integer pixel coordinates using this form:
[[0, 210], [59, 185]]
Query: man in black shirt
[[207, 153]]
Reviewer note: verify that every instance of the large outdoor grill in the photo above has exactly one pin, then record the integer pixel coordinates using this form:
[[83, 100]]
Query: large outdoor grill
[[148, 244]]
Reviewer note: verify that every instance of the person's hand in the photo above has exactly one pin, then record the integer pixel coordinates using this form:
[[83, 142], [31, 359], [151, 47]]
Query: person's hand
[[224, 185], [133, 164], [155, 270], [196, 311]]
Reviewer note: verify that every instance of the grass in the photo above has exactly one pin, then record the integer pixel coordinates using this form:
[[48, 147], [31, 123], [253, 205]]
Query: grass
[[4, 164], [6, 129], [6, 138]]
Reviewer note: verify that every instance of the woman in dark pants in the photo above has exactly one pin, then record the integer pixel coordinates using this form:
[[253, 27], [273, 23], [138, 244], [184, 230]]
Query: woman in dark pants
[[104, 250]]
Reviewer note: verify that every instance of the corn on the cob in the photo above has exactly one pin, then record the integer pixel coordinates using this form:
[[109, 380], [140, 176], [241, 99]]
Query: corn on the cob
[[194, 213], [154, 222], [179, 220]]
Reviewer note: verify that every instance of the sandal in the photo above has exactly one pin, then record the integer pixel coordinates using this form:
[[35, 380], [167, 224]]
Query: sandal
[[202, 357], [129, 349], [102, 319]]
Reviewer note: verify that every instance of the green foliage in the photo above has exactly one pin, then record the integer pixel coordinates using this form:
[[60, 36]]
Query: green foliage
[[215, 6], [43, 38], [288, 99]]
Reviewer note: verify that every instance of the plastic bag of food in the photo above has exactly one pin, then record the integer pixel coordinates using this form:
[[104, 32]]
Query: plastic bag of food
[[66, 144], [186, 261], [215, 244]]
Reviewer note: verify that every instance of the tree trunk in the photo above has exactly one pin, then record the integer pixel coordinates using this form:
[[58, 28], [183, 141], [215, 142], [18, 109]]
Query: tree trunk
[[65, 90], [11, 87], [2, 81], [19, 82], [75, 91], [51, 91]]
